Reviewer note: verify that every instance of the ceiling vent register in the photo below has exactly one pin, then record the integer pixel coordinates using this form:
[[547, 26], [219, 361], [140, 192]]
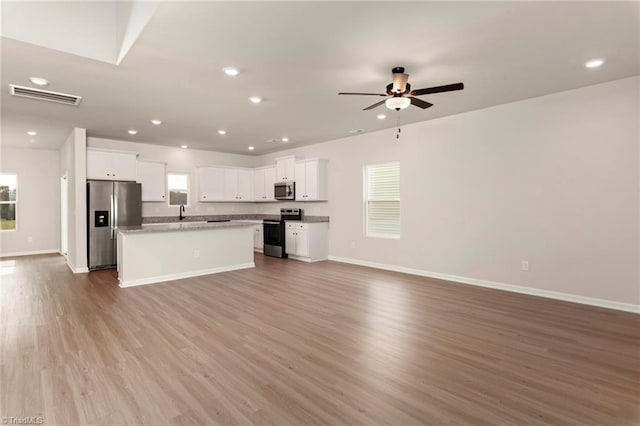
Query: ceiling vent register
[[45, 95]]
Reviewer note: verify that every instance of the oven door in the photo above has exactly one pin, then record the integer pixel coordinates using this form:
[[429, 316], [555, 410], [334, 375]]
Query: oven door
[[285, 191], [273, 237]]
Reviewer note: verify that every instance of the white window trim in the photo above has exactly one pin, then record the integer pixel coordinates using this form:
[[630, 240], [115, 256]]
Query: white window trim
[[365, 195], [188, 175], [12, 202]]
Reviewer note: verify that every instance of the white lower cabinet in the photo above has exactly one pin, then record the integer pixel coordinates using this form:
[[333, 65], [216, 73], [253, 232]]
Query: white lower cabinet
[[258, 240], [307, 241]]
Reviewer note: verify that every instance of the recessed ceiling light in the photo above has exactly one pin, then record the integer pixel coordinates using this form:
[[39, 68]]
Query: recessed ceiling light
[[231, 71], [184, 146], [381, 116], [156, 122], [39, 81], [251, 148], [255, 99], [222, 132], [356, 131], [594, 63], [133, 132], [285, 139], [32, 133]]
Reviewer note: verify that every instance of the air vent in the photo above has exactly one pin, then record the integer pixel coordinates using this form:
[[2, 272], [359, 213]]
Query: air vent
[[44, 95]]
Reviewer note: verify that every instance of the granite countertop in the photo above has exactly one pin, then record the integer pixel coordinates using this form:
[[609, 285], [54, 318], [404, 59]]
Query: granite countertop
[[234, 217], [180, 226], [311, 219]]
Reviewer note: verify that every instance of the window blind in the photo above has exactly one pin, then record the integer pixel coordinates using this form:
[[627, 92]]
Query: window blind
[[382, 197]]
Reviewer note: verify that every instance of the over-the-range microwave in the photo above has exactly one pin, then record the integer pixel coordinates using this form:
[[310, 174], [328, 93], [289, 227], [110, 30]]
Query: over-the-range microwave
[[285, 191]]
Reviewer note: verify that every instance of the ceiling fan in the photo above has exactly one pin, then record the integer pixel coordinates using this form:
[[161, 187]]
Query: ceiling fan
[[399, 94]]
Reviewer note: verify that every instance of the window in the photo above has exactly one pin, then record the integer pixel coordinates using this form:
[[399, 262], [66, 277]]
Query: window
[[382, 200], [178, 184], [8, 201]]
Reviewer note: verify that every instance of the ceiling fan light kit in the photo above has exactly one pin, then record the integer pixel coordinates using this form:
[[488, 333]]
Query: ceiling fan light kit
[[399, 94], [397, 103]]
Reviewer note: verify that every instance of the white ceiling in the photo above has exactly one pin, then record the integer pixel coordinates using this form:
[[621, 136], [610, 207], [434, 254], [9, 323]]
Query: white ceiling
[[297, 56]]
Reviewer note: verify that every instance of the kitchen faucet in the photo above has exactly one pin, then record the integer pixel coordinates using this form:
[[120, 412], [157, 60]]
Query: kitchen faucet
[[182, 211]]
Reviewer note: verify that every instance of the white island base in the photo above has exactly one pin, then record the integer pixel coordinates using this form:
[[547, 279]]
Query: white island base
[[156, 254]]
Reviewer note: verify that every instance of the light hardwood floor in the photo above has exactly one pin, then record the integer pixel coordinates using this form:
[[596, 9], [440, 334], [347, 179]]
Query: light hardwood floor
[[291, 343]]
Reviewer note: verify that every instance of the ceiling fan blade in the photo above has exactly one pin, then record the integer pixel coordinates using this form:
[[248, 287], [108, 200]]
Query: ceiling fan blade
[[420, 103], [400, 82], [438, 89], [377, 104], [366, 94]]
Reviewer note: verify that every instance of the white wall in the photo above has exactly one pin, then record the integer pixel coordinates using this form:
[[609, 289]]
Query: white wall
[[73, 164], [182, 161], [552, 180], [38, 206]]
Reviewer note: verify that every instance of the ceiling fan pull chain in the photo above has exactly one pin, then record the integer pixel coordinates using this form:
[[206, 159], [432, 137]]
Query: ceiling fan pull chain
[[398, 123]]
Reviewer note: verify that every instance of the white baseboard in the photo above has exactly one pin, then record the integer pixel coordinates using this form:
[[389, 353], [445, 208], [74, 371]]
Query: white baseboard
[[627, 307], [302, 259], [171, 277], [75, 269], [30, 253]]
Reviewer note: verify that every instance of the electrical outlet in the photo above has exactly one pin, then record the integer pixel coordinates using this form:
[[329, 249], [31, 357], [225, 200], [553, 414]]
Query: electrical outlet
[[156, 210], [196, 253], [353, 244], [29, 239], [524, 265]]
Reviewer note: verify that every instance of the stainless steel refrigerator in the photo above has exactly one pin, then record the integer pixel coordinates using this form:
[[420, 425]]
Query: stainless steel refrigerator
[[109, 205]]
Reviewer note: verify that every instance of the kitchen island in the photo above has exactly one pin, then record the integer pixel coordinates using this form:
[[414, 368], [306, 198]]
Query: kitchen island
[[164, 252]]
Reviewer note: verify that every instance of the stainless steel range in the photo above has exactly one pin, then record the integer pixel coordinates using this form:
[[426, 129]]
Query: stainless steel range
[[274, 232]]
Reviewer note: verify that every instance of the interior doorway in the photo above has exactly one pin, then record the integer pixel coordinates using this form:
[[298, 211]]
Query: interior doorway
[[64, 219]]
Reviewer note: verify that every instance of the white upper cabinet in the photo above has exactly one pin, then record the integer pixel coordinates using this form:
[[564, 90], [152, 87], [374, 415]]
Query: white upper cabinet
[[285, 169], [311, 180], [269, 182], [238, 185], [231, 184], [152, 176], [264, 179], [111, 165], [211, 183], [245, 184], [225, 184]]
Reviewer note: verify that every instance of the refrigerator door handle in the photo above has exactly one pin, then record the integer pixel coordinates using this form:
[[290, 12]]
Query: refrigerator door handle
[[115, 214], [112, 212]]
